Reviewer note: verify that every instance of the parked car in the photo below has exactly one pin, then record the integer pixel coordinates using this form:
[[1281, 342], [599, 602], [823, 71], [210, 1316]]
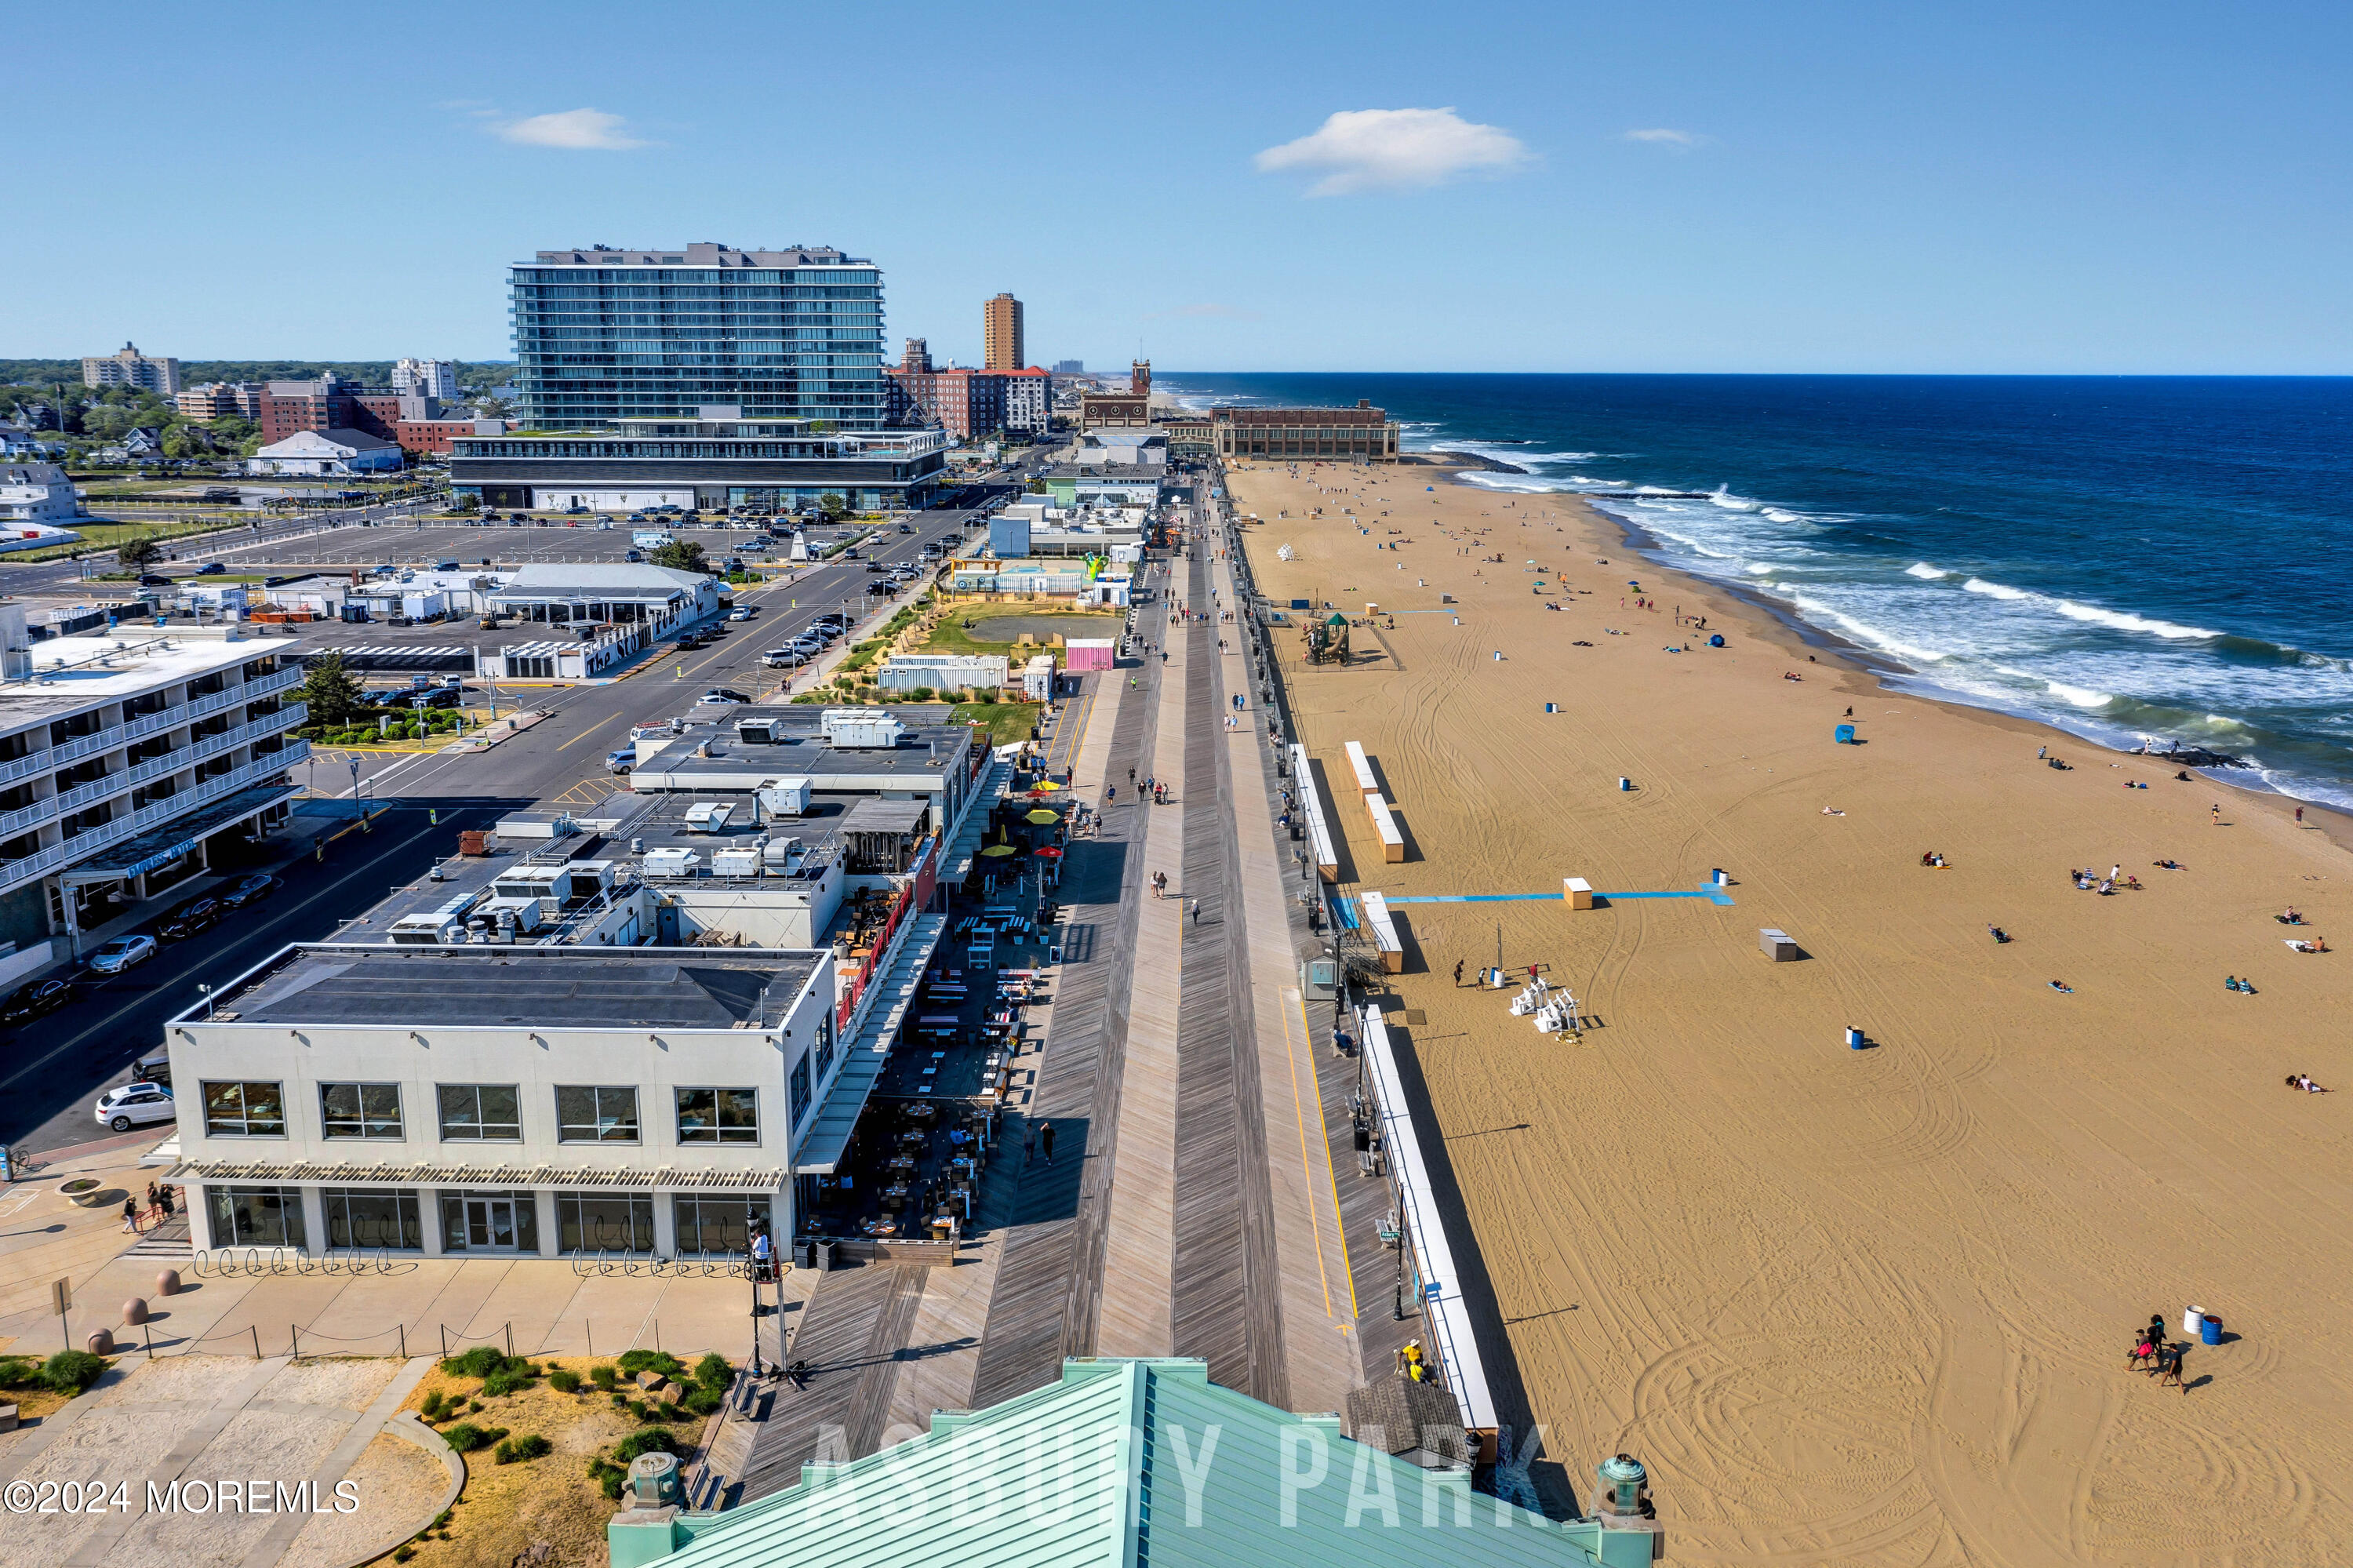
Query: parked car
[[621, 761], [633, 555], [211, 569], [719, 697], [153, 579], [689, 640], [784, 658], [154, 1069], [35, 999], [122, 953], [741, 612], [251, 890], [135, 1105], [188, 919], [753, 545]]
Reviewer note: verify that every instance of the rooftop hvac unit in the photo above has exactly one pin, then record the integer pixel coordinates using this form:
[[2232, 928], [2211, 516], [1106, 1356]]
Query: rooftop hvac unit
[[708, 816], [785, 796], [445, 924], [736, 862], [779, 853], [672, 862], [861, 728], [523, 916]]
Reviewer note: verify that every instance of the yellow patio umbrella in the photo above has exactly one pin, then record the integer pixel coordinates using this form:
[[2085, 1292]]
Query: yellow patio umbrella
[[995, 850], [1043, 818]]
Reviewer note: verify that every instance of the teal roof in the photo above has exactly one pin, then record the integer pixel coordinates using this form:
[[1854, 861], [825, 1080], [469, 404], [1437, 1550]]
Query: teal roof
[[1134, 1463]]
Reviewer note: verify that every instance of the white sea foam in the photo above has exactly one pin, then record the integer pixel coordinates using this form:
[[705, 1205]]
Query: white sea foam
[[1923, 569], [2118, 620], [1864, 632], [1776, 514], [2082, 696], [1761, 568], [1721, 496]]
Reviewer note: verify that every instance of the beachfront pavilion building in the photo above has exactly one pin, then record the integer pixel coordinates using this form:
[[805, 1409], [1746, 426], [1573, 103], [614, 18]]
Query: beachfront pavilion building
[[602, 335], [715, 458], [618, 593], [1361, 434], [1129, 1463], [501, 1100], [128, 759]]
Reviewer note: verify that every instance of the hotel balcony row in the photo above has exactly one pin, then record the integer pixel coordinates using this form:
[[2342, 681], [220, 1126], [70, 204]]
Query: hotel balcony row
[[79, 838]]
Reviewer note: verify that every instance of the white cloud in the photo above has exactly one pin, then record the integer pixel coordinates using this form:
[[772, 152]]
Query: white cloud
[[1681, 140], [579, 129], [1373, 149]]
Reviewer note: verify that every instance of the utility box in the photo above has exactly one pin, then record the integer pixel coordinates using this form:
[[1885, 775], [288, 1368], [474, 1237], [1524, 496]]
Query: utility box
[[1319, 980], [1779, 946], [1577, 891]]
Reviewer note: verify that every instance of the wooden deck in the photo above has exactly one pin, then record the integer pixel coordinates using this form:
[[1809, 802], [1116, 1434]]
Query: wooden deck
[[854, 1334]]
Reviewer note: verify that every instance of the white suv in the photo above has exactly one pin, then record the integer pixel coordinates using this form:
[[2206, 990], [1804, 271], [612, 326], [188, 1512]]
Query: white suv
[[135, 1105]]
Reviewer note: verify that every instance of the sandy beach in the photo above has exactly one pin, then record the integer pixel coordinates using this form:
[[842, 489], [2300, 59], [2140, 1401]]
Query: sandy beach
[[1851, 1307]]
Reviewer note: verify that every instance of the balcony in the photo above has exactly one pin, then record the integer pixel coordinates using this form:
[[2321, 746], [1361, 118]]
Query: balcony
[[107, 739], [288, 717], [17, 871]]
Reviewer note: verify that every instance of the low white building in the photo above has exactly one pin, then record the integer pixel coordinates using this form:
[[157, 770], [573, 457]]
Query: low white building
[[37, 493], [503, 1100], [570, 660], [1037, 678], [943, 671], [657, 597], [327, 453]]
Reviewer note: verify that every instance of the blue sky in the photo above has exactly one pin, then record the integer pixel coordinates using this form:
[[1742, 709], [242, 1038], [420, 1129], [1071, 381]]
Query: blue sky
[[1886, 187]]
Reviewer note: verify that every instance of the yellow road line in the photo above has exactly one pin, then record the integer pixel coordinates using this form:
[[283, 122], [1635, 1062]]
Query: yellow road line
[[584, 733]]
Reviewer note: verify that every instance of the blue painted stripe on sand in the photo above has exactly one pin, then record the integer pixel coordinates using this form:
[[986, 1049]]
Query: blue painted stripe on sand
[[1711, 895]]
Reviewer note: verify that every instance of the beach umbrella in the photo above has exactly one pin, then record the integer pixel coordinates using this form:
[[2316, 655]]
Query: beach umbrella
[[996, 851], [1050, 853], [1043, 818]]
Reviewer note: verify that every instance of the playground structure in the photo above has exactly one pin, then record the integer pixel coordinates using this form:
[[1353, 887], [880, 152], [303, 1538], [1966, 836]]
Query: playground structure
[[1326, 640]]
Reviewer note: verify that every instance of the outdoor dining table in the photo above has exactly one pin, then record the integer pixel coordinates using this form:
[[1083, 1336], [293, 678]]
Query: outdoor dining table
[[902, 1162]]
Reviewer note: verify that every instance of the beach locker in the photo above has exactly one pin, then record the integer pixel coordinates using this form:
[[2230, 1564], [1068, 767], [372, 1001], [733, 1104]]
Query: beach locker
[[1778, 945], [1577, 891], [1385, 824], [1383, 929], [1367, 785]]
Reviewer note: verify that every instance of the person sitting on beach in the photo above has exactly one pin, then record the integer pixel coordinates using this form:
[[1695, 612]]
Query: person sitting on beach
[[2292, 917], [2304, 1081], [1997, 934], [2166, 865], [2063, 988]]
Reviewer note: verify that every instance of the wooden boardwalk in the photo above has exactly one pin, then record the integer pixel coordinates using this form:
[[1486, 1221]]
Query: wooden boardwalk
[[1227, 1303], [854, 1334], [1050, 1277]]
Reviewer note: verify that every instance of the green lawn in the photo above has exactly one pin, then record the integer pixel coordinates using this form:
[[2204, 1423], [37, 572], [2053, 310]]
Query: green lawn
[[1006, 722], [950, 637]]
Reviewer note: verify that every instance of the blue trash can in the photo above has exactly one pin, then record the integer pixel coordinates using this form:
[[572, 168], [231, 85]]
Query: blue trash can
[[1842, 735], [2209, 1330]]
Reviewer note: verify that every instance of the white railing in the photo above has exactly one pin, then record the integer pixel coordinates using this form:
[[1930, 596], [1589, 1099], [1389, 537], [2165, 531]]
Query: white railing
[[30, 763], [16, 870], [173, 761]]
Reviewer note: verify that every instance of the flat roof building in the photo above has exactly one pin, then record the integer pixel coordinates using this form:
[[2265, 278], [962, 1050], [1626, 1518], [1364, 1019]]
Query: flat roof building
[[327, 453], [1000, 333], [126, 367], [714, 459], [501, 1099], [1361, 434], [603, 334], [122, 755]]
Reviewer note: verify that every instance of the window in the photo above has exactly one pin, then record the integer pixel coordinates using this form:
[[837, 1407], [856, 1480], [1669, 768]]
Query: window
[[480, 1113], [720, 1224], [800, 1087], [601, 1113], [719, 1116], [254, 1217], [605, 1222], [824, 1042], [245, 1110], [360, 1111], [359, 1218]]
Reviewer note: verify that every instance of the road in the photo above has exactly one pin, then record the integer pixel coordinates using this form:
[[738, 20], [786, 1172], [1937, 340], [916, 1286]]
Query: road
[[52, 1070]]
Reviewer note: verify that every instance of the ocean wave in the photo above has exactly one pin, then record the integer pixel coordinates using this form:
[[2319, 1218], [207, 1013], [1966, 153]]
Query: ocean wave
[[1761, 568], [1776, 514], [1923, 569], [2116, 619], [2082, 696], [1864, 631], [1721, 496]]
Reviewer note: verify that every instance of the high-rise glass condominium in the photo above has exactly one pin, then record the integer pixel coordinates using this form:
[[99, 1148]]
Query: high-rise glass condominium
[[603, 334]]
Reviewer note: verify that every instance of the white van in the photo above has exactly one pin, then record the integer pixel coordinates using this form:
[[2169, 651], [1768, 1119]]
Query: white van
[[650, 538]]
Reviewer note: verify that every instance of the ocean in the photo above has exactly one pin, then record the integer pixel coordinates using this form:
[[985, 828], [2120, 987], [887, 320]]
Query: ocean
[[2119, 556]]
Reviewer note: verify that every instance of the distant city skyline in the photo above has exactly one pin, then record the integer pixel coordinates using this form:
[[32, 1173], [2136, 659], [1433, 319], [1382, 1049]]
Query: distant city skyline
[[1506, 187]]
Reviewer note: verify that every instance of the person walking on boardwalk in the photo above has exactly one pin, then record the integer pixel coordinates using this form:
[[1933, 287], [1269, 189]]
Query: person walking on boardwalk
[[1046, 1139], [1196, 912]]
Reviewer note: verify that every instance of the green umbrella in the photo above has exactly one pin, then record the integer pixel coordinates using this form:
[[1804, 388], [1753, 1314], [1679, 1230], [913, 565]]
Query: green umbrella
[[1000, 850], [1043, 818]]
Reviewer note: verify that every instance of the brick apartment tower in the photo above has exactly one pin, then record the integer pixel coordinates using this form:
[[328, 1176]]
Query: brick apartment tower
[[1001, 334]]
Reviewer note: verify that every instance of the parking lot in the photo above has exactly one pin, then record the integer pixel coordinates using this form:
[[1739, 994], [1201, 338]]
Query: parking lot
[[424, 542]]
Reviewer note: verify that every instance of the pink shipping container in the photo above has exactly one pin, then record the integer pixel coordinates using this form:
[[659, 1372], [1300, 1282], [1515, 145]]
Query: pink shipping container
[[1088, 653]]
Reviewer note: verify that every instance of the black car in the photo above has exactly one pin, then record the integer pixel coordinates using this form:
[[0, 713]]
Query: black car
[[34, 999], [211, 569], [153, 579], [251, 890], [188, 919]]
